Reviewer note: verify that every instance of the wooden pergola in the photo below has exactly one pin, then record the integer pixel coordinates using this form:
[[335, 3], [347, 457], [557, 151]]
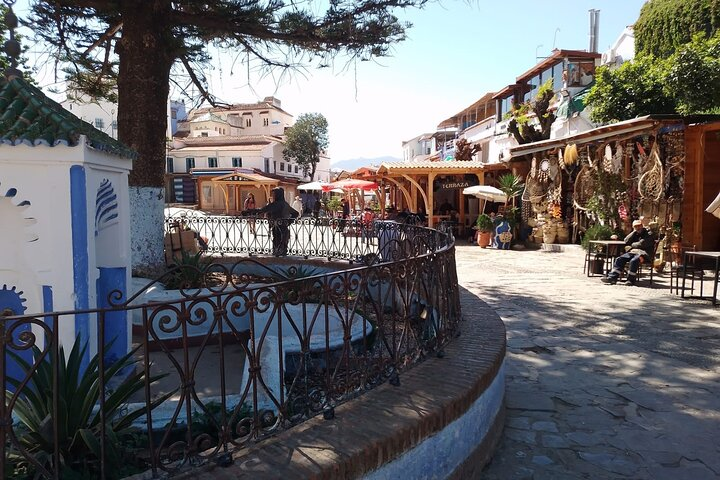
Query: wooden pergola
[[413, 183], [239, 180]]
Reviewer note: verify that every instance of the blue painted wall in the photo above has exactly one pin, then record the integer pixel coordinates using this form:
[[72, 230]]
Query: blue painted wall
[[79, 221], [116, 325]]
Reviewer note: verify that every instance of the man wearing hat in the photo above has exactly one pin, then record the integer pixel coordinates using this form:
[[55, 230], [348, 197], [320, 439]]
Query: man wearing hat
[[637, 247]]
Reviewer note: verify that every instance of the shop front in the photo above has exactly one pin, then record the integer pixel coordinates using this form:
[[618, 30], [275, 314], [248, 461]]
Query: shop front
[[661, 169]]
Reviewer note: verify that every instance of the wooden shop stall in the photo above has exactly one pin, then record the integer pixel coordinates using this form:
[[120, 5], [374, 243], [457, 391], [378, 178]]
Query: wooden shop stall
[[662, 168]]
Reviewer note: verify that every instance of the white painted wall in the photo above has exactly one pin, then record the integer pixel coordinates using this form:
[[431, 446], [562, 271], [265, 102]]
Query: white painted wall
[[91, 110], [36, 248]]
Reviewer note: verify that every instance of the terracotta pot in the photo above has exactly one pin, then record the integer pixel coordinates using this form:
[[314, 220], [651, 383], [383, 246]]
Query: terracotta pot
[[483, 239]]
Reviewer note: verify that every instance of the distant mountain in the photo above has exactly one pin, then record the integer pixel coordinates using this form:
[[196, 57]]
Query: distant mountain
[[355, 163]]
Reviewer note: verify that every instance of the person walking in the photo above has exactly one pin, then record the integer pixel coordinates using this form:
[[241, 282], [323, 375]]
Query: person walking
[[345, 215], [250, 205]]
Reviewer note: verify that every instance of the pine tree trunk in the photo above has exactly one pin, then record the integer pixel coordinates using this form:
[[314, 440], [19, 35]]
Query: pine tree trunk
[[146, 58]]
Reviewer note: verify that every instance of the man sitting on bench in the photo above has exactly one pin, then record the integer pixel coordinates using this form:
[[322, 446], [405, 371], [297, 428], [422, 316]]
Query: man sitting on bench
[[638, 246]]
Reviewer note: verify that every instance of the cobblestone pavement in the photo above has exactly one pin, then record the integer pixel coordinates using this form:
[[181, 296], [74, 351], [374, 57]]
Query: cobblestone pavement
[[603, 381]]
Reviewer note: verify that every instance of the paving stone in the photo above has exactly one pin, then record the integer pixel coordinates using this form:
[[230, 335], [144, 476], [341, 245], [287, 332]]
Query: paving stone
[[518, 422], [542, 460], [554, 441], [524, 436], [527, 400], [686, 472], [545, 427], [666, 459], [585, 439], [610, 462]]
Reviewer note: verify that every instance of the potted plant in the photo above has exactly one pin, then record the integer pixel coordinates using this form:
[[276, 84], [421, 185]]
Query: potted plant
[[484, 226], [511, 185]]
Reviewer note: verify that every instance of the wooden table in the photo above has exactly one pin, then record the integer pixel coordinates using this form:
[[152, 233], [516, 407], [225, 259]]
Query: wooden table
[[690, 262], [605, 249]]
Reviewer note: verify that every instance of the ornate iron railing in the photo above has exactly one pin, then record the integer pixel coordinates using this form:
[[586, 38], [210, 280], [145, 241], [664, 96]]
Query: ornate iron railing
[[251, 349]]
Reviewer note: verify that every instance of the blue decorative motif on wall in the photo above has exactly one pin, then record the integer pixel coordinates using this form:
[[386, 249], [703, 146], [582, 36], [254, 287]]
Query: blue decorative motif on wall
[[106, 206], [11, 303]]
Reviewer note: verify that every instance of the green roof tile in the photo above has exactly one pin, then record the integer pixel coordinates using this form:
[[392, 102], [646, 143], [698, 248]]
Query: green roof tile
[[28, 116]]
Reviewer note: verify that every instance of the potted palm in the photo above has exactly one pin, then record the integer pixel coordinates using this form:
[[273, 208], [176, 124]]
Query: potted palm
[[511, 185], [484, 226]]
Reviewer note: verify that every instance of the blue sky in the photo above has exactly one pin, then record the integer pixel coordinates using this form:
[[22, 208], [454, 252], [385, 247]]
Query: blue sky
[[455, 52]]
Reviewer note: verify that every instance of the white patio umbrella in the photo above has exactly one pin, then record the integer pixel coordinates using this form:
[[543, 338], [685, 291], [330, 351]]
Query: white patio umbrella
[[714, 207], [317, 185], [486, 192]]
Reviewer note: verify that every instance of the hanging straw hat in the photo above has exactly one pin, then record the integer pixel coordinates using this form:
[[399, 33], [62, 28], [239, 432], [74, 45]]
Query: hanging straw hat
[[571, 154]]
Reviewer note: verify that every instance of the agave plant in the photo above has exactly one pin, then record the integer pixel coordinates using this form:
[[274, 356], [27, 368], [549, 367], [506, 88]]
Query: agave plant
[[78, 415], [188, 271]]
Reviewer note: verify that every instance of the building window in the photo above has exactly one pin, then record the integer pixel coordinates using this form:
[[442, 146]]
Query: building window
[[189, 163], [266, 122], [212, 162], [99, 123], [203, 134], [169, 165], [248, 122], [274, 167], [296, 169], [282, 166], [267, 165], [237, 162]]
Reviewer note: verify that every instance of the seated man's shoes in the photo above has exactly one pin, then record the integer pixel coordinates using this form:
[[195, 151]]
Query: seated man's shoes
[[609, 280], [630, 283]]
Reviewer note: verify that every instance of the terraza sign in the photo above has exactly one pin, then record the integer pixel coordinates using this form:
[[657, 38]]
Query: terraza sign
[[462, 184]]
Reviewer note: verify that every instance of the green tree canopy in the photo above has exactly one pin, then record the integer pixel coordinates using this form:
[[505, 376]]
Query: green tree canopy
[[136, 44], [636, 88], [665, 25], [306, 141], [687, 82]]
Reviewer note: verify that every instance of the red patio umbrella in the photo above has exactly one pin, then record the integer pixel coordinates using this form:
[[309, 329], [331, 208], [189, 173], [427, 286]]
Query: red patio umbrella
[[351, 184]]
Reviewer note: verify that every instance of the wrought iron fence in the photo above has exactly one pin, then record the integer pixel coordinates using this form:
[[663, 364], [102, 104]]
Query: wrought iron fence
[[241, 350]]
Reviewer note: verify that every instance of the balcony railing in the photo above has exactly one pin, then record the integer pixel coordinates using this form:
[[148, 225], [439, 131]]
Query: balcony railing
[[252, 347]]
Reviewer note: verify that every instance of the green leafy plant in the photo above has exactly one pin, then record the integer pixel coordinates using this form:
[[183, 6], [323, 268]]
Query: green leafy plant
[[188, 271], [78, 416], [531, 121], [596, 232], [511, 185], [484, 223]]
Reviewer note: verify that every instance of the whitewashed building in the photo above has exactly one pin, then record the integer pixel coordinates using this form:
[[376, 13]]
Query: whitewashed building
[[65, 220], [213, 141]]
